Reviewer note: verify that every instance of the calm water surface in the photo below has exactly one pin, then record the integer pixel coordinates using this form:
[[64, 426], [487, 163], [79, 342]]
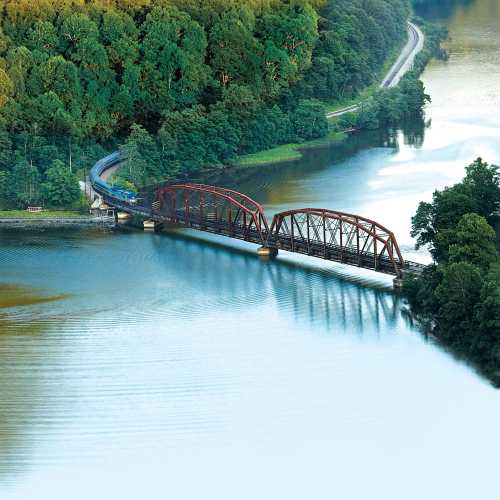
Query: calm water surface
[[168, 366]]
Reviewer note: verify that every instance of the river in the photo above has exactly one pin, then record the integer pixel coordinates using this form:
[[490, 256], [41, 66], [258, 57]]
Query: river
[[172, 366]]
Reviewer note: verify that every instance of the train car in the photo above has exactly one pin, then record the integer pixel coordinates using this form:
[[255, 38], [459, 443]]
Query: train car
[[105, 189]]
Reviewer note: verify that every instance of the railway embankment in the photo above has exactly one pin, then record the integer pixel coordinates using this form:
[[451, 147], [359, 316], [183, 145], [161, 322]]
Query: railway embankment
[[25, 220]]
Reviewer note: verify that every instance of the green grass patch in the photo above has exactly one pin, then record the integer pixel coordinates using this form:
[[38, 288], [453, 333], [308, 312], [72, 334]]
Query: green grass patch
[[285, 152], [332, 137], [46, 214], [288, 152]]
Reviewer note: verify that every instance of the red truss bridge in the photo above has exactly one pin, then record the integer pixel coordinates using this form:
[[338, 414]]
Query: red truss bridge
[[326, 234]]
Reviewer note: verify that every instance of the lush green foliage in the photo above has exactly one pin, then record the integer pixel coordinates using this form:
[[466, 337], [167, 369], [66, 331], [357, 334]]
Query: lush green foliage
[[460, 293], [352, 47], [397, 105], [180, 83]]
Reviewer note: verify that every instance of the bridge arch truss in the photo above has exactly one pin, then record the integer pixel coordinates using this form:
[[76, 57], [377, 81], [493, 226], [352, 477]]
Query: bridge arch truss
[[337, 236], [213, 209]]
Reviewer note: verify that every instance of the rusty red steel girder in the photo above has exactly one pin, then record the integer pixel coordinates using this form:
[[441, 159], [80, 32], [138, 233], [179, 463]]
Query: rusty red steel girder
[[214, 209], [337, 236], [328, 234]]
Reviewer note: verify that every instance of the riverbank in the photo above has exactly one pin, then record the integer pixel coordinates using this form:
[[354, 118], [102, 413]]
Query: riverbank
[[21, 219], [24, 214], [395, 68], [289, 152]]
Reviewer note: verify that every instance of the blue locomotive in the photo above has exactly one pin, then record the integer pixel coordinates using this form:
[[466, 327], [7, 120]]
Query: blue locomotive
[[105, 189]]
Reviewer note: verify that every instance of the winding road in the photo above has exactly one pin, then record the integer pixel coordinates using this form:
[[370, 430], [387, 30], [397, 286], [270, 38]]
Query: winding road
[[403, 64]]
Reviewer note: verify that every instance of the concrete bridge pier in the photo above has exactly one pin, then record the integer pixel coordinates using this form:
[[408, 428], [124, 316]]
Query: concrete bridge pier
[[151, 225], [123, 216], [398, 283], [267, 252]]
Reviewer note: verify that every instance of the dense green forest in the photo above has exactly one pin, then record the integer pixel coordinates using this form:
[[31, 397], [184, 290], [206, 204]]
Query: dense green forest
[[179, 84], [458, 297], [399, 105]]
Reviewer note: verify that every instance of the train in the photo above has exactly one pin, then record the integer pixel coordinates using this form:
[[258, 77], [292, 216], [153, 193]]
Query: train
[[103, 188]]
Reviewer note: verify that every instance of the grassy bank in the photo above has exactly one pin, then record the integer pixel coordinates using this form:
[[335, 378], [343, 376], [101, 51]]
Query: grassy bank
[[46, 214], [288, 152]]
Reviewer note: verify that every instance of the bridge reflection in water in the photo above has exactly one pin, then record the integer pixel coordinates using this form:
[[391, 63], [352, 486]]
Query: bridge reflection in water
[[327, 234], [237, 279]]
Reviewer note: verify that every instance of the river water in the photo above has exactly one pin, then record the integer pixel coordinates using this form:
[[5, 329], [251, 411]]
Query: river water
[[171, 366]]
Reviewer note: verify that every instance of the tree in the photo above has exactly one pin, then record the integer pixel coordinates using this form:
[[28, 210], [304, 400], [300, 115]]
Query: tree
[[5, 191], [25, 184], [288, 38], [61, 77], [75, 30], [458, 294], [434, 221], [42, 36], [141, 156], [309, 120], [482, 183], [5, 150], [6, 87], [488, 319], [474, 242], [461, 295], [235, 54], [173, 53], [60, 188], [367, 118]]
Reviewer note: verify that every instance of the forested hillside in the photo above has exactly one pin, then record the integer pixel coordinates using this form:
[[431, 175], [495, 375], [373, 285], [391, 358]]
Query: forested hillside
[[179, 83], [459, 295]]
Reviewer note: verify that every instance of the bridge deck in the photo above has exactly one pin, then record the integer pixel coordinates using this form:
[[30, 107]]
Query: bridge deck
[[330, 252]]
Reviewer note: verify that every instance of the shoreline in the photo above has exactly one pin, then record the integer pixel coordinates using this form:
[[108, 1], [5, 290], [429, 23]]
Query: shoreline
[[293, 152], [54, 222]]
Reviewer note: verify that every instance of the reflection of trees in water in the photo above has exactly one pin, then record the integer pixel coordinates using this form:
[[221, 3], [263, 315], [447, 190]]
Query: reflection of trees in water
[[414, 132], [261, 183], [238, 279], [50, 238], [258, 182], [24, 352], [21, 392], [442, 9]]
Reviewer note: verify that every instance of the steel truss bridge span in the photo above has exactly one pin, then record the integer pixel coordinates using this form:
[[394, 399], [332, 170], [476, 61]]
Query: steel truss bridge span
[[327, 234], [213, 209], [337, 236]]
